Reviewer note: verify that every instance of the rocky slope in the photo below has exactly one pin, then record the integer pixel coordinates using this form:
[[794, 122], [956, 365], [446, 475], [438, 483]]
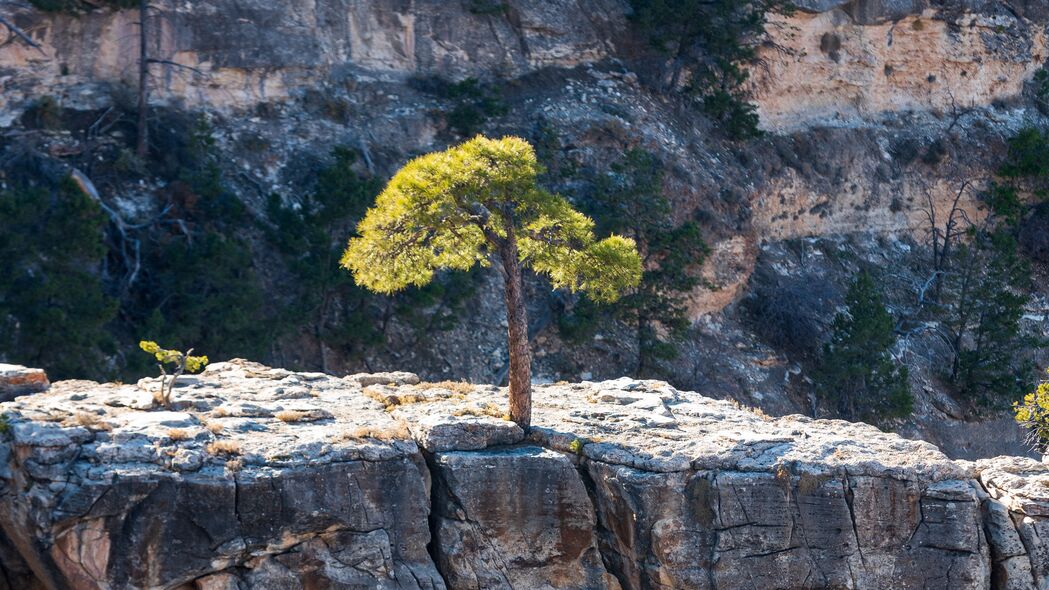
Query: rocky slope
[[265, 478], [877, 110]]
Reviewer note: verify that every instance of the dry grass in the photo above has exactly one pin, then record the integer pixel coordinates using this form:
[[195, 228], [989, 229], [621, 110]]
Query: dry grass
[[90, 421], [391, 400], [290, 415], [220, 412], [213, 427], [488, 409], [224, 447], [397, 431], [177, 434], [234, 465], [460, 387]]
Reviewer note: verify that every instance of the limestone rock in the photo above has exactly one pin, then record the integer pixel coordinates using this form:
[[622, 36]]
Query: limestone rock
[[16, 380], [515, 518], [621, 484]]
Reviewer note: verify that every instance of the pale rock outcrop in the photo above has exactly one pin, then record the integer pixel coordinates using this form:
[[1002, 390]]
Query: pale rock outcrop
[[621, 484], [16, 380]]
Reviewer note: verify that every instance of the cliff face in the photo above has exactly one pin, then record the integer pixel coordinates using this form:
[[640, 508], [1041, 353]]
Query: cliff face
[[878, 111], [264, 478]]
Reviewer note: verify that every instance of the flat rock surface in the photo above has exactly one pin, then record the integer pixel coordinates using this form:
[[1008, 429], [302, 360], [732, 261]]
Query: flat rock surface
[[276, 418], [263, 477]]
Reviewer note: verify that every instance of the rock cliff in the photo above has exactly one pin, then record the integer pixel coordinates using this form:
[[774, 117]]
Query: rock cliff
[[266, 478], [878, 112]]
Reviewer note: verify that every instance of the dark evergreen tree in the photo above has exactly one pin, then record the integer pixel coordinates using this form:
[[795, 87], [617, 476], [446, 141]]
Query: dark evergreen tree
[[53, 310], [713, 41], [311, 238], [857, 372], [629, 201], [985, 292]]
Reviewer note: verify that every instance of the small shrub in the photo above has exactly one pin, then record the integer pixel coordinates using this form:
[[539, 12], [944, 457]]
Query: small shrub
[[182, 361], [5, 424], [1033, 414], [224, 447], [213, 427], [177, 434], [290, 415], [234, 465], [91, 421], [576, 446]]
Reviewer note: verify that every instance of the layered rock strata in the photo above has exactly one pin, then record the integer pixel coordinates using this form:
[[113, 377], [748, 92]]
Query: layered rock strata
[[265, 478]]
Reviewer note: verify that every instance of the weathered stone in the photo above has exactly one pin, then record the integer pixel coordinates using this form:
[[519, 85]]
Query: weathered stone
[[16, 380], [601, 497], [515, 518]]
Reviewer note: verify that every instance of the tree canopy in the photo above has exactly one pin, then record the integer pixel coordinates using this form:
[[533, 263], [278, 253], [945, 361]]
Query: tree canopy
[[452, 209]]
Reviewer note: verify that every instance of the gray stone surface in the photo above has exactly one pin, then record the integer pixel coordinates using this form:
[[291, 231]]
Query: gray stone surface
[[264, 478]]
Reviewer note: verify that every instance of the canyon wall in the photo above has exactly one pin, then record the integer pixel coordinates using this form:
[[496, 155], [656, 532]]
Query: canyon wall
[[264, 478]]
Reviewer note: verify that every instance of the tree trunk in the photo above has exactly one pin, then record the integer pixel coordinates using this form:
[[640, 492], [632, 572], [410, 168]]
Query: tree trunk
[[142, 148], [517, 329]]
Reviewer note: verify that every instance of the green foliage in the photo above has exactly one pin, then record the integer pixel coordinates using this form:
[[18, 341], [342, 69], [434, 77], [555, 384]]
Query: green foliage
[[181, 361], [983, 302], [454, 209], [173, 357], [1033, 414], [5, 425], [472, 103], [1028, 161], [857, 371], [53, 309], [197, 282], [629, 201], [309, 237], [1041, 90], [713, 40]]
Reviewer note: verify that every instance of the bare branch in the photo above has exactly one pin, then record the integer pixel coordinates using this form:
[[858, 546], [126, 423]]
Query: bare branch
[[21, 34]]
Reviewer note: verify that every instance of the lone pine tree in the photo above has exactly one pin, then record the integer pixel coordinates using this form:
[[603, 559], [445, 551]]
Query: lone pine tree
[[462, 207]]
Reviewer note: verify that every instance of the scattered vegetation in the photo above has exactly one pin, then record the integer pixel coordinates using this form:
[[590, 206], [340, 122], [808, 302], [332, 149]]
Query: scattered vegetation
[[471, 101], [91, 421], [488, 409], [397, 431], [181, 362], [857, 372], [54, 310], [224, 448], [78, 6], [709, 44], [179, 434], [458, 208], [462, 388], [290, 416], [1033, 414], [629, 201]]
